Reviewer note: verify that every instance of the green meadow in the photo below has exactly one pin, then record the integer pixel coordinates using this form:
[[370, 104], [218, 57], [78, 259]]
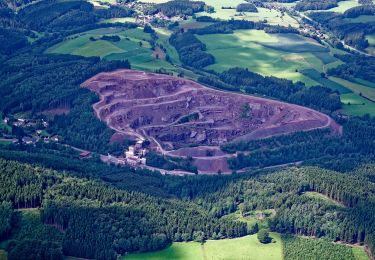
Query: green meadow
[[280, 55], [319, 196], [250, 218], [133, 46], [368, 92], [335, 86], [247, 247], [3, 255], [343, 6], [273, 17], [356, 105], [371, 41], [361, 19]]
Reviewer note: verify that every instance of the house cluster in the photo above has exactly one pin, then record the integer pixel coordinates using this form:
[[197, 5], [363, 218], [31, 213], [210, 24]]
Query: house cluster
[[143, 20], [33, 130], [23, 122], [135, 155], [39, 136]]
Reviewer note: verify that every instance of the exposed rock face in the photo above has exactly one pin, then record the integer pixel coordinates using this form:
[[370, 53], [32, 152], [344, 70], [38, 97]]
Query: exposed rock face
[[175, 113]]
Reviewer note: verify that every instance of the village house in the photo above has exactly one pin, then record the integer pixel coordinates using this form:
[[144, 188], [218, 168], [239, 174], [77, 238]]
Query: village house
[[29, 140]]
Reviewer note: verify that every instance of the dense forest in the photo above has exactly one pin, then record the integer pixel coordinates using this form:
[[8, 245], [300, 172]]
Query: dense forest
[[72, 206], [190, 50], [355, 146], [157, 221], [296, 248], [355, 67], [179, 7], [64, 16], [53, 81], [306, 5], [246, 7]]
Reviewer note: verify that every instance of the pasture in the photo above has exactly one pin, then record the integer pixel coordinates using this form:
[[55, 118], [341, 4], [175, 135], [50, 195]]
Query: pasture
[[368, 92], [361, 19], [343, 6], [335, 86], [273, 17], [355, 105], [133, 46], [119, 20], [371, 41], [247, 247], [3, 255], [280, 55]]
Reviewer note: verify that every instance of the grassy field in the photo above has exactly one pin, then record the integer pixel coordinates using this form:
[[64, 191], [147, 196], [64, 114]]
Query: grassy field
[[355, 105], [133, 46], [239, 248], [315, 75], [280, 55], [371, 41], [319, 196], [119, 20], [251, 218], [357, 88], [359, 253], [343, 6], [361, 19], [273, 17], [364, 82], [3, 255]]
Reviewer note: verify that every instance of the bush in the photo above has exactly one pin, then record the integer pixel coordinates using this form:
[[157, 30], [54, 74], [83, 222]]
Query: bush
[[264, 236]]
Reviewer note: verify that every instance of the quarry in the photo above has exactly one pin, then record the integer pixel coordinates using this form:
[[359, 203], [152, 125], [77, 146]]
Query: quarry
[[182, 118]]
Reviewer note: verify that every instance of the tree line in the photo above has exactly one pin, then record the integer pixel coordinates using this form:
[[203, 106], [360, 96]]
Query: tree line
[[237, 79]]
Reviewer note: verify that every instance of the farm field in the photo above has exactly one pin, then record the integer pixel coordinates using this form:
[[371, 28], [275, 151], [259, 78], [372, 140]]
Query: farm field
[[357, 88], [280, 55], [3, 255], [247, 247], [273, 17], [364, 82], [371, 41], [361, 19], [343, 6], [315, 75], [133, 46], [357, 106], [119, 20]]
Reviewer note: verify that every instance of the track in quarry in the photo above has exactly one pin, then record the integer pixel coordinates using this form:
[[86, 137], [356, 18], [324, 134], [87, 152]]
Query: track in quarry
[[183, 118]]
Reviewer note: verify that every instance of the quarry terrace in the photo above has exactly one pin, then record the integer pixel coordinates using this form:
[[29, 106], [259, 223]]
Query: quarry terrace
[[183, 118]]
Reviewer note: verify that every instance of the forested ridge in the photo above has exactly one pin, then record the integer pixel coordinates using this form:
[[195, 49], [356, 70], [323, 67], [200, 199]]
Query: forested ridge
[[127, 222], [319, 147], [93, 214]]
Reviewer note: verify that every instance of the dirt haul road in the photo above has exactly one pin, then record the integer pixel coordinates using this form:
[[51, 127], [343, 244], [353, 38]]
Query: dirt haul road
[[183, 118]]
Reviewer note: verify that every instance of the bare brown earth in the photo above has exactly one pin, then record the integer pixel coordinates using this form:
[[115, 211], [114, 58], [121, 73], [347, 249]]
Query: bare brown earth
[[183, 118]]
